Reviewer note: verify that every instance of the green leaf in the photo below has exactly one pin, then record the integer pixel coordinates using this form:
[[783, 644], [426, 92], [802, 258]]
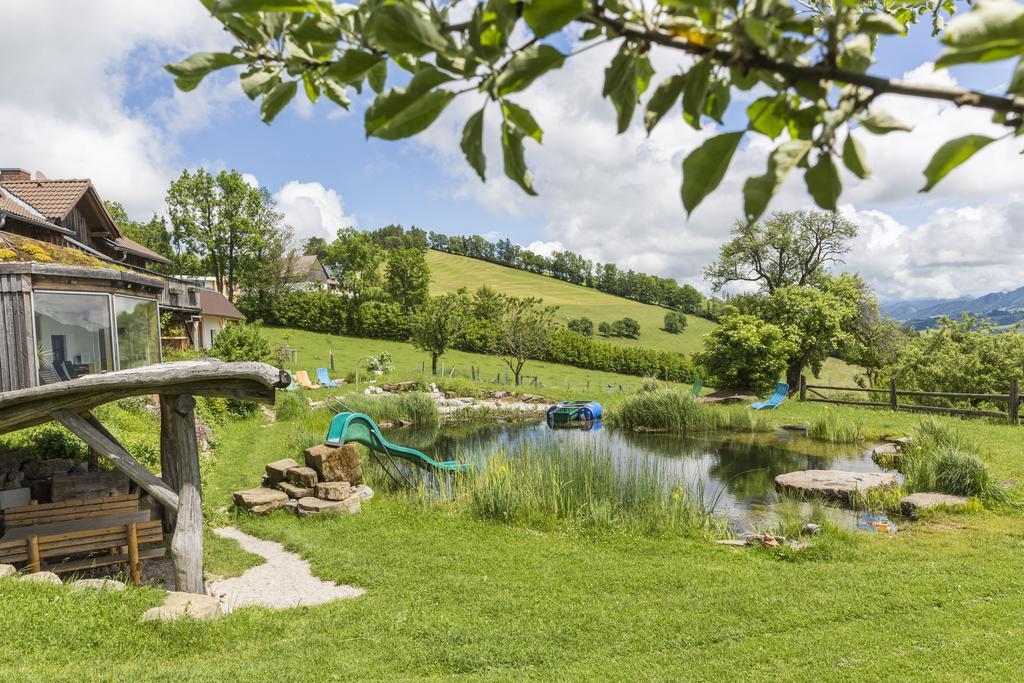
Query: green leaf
[[547, 16], [951, 155], [515, 161], [882, 24], [521, 120], [758, 191], [823, 182], [400, 29], [881, 122], [473, 143], [665, 95], [768, 115], [717, 100], [402, 112], [856, 53], [620, 85], [695, 91], [758, 31], [256, 82], [190, 72], [310, 86], [377, 76], [992, 31], [275, 100], [336, 93], [526, 67], [244, 6], [853, 157], [352, 66], [704, 168]]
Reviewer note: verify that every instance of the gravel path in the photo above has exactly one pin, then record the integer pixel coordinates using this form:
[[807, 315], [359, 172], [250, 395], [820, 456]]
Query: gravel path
[[284, 581]]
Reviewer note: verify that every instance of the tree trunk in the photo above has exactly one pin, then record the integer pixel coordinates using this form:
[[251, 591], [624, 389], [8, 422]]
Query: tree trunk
[[433, 364], [519, 376], [793, 373], [187, 542]]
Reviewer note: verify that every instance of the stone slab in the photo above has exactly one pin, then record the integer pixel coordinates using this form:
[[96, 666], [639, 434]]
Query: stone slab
[[15, 498], [317, 506], [835, 484], [276, 470], [333, 490], [295, 490], [260, 500], [302, 476], [336, 464], [911, 505], [97, 584], [184, 605]]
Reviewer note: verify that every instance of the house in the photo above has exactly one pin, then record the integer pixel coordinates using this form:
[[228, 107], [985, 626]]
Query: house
[[76, 295], [309, 274], [217, 313]]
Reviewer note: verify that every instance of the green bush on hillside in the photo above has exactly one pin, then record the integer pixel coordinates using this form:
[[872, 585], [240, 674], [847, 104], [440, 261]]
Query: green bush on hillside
[[675, 322]]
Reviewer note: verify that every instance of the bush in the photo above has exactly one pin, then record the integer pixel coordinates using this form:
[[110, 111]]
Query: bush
[[46, 441], [241, 342], [380, 363], [941, 459], [384, 320], [572, 348], [584, 326], [604, 329], [627, 327], [675, 322], [291, 406], [744, 352]]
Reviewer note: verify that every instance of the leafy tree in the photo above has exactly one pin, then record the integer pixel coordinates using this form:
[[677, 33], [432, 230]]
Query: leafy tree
[[486, 307], [267, 262], [216, 218], [584, 326], [626, 327], [785, 250], [808, 67], [356, 263], [523, 332], [152, 234], [242, 342], [675, 322], [315, 246], [408, 277], [438, 325], [744, 352], [604, 329]]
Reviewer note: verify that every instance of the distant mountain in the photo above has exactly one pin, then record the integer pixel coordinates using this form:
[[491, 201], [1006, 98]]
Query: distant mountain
[[1002, 308]]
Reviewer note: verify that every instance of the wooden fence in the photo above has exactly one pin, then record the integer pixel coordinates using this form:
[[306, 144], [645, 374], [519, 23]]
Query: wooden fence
[[812, 393]]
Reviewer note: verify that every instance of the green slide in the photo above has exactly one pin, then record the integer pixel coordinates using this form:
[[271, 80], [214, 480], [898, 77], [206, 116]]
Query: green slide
[[348, 427]]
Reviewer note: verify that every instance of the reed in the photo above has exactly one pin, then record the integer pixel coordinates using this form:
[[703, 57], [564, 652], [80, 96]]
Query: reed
[[940, 458], [827, 427], [674, 410]]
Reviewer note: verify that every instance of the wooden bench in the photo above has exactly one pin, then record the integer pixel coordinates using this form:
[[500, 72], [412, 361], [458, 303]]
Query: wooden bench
[[82, 534]]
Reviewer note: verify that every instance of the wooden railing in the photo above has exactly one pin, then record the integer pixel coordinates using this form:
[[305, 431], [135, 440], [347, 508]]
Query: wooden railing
[[1012, 399]]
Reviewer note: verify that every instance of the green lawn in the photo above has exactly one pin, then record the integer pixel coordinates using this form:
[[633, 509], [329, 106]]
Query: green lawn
[[451, 596]]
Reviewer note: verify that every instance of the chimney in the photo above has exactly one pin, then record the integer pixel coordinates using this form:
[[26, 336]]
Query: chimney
[[9, 174]]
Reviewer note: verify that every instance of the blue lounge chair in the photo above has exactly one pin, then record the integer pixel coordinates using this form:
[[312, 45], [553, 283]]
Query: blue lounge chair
[[781, 391], [325, 379]]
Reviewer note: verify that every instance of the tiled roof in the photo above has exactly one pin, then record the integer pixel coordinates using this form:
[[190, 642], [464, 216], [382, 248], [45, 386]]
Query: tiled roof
[[10, 204], [54, 199], [215, 303], [136, 248]]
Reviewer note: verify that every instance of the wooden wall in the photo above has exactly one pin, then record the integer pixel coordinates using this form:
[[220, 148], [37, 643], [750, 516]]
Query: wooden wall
[[17, 367]]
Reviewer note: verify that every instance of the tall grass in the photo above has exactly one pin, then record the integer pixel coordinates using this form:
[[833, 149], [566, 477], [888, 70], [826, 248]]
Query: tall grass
[[414, 406], [674, 410], [828, 428], [940, 458]]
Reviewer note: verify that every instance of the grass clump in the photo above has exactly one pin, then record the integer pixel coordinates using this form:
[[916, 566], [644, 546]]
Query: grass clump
[[827, 427], [940, 458], [413, 406], [675, 410], [291, 407]]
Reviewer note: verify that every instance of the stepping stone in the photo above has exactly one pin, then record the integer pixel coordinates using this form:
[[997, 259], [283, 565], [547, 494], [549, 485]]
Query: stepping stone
[[260, 500], [911, 505], [277, 469], [181, 605], [333, 490], [835, 484], [97, 584], [41, 577], [7, 570], [295, 490], [316, 506], [887, 455]]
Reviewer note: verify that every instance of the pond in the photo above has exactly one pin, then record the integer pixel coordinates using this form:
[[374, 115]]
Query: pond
[[735, 473]]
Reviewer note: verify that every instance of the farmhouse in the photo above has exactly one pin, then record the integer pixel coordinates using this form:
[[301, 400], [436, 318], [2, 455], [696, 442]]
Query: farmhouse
[[77, 296]]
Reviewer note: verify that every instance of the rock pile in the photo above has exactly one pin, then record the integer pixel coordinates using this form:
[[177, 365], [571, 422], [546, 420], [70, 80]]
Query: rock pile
[[330, 481]]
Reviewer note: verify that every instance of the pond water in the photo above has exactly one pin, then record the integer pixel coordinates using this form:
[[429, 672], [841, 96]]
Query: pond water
[[734, 472]]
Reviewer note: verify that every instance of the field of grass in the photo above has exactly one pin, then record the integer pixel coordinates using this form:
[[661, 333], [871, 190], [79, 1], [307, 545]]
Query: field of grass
[[455, 596]]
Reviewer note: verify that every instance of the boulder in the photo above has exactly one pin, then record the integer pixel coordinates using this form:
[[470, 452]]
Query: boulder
[[7, 570], [835, 484], [295, 490], [276, 470], [181, 605], [336, 464], [303, 476], [42, 469], [333, 490], [15, 498], [97, 584], [11, 461], [41, 577], [363, 491], [911, 505], [316, 506], [260, 500]]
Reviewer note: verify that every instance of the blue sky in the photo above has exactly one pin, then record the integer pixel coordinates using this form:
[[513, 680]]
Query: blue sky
[[613, 198]]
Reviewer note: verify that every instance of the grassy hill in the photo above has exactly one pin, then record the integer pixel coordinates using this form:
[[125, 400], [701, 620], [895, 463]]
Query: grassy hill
[[450, 272]]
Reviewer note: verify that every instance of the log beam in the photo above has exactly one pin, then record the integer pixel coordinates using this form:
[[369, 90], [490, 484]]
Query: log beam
[[187, 542]]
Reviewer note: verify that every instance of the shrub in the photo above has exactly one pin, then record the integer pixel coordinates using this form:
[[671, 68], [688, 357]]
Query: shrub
[[572, 348], [241, 342], [627, 327], [604, 329], [381, 363], [940, 458], [584, 326], [384, 320], [675, 322], [291, 406], [744, 352]]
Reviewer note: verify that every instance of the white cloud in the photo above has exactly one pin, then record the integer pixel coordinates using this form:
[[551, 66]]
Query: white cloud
[[545, 248], [312, 210], [74, 74]]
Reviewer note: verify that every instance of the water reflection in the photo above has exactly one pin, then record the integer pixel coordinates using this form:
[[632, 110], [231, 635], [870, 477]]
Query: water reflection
[[734, 472]]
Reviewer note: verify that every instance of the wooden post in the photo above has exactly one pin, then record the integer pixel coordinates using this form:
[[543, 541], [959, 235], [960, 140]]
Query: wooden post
[[803, 387], [34, 560], [168, 459], [134, 566], [187, 542], [1013, 407], [892, 394]]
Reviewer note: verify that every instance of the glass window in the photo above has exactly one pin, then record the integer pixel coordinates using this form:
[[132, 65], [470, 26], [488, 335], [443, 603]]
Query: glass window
[[72, 335], [138, 332]]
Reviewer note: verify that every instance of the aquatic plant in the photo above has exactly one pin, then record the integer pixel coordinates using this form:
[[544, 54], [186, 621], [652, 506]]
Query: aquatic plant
[[827, 427], [940, 458], [675, 410]]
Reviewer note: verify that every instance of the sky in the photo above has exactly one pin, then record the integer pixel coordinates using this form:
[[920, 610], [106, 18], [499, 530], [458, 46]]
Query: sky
[[86, 96]]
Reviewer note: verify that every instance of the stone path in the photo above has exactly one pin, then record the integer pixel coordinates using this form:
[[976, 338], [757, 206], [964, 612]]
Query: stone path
[[284, 581]]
